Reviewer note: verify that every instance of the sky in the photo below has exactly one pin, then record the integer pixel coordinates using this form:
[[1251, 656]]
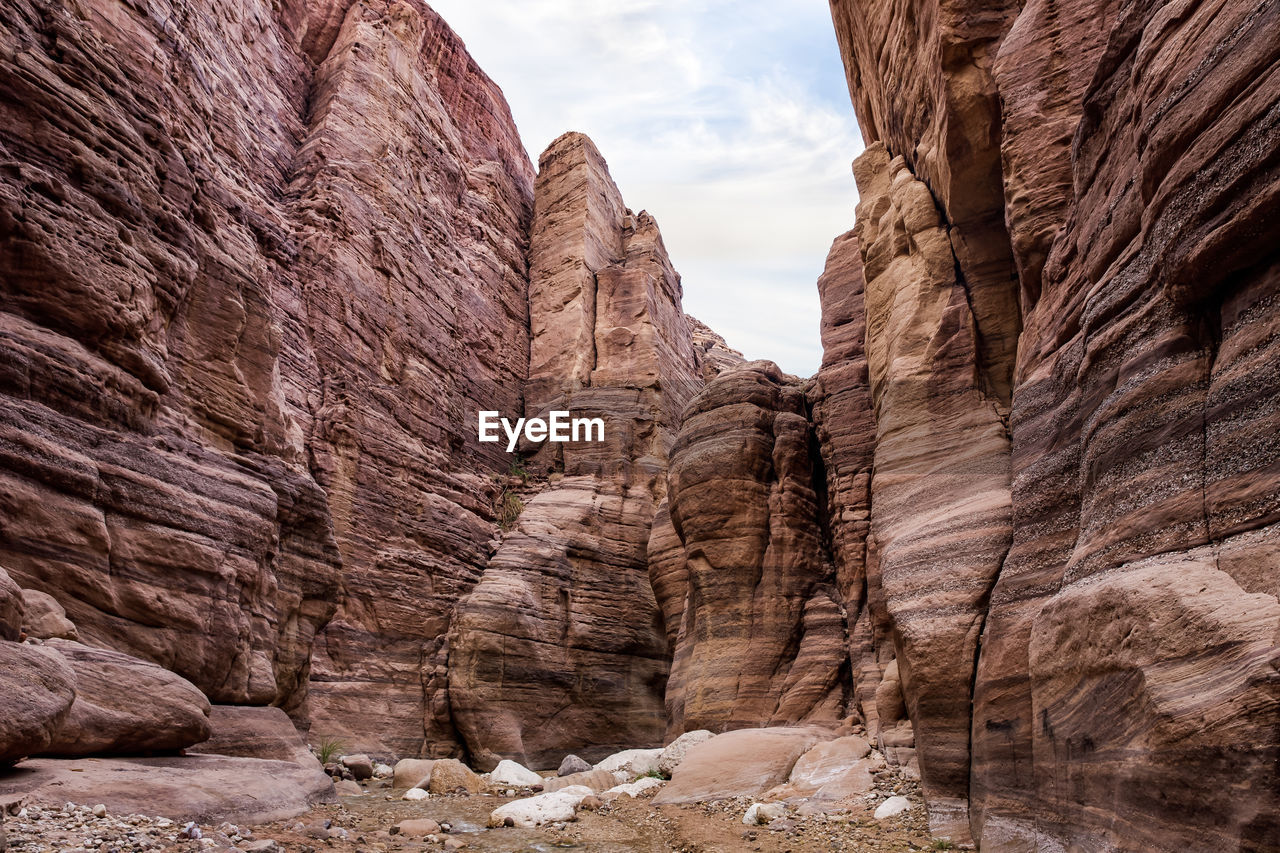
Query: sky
[[728, 120]]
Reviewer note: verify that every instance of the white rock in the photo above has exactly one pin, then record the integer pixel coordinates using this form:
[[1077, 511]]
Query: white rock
[[892, 806], [382, 771], [635, 787], [415, 794], [671, 757], [557, 806], [631, 763], [759, 814], [509, 772]]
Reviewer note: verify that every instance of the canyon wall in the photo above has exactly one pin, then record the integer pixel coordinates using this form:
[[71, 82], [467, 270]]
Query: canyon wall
[[1092, 543], [560, 647], [262, 268], [260, 262]]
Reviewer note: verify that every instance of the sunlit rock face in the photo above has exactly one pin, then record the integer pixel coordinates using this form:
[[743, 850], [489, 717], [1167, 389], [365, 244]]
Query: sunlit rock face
[[258, 260], [561, 646], [1119, 658]]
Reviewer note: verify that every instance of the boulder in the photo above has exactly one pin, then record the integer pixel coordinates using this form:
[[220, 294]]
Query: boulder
[[572, 764], [418, 828], [634, 789], [742, 763], [251, 731], [37, 689], [828, 762], [347, 788], [675, 751], [126, 705], [411, 772], [509, 772], [201, 788], [892, 806], [450, 774], [631, 762], [596, 780], [414, 794], [550, 807], [45, 618], [759, 814], [361, 766], [12, 608]]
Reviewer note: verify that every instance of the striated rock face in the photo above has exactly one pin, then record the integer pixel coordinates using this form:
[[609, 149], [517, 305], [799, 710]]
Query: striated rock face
[[37, 688], [1123, 691], [920, 75], [748, 594], [420, 193], [254, 732], [844, 426], [1144, 556], [940, 506], [151, 477], [714, 355], [259, 264], [13, 608], [560, 646], [125, 706]]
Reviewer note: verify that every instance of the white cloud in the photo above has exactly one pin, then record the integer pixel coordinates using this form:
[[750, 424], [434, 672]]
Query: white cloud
[[728, 120]]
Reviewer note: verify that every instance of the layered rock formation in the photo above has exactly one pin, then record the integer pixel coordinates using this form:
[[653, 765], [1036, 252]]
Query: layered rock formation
[[560, 646], [742, 574], [1124, 680], [259, 265]]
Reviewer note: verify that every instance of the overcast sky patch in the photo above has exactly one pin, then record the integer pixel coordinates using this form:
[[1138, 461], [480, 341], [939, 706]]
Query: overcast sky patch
[[728, 120]]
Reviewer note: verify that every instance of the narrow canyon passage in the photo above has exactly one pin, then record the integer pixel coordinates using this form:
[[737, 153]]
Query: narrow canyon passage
[[1002, 574]]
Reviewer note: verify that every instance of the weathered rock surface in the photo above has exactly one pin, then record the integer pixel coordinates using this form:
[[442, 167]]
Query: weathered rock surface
[[509, 772], [631, 762], [201, 788], [37, 688], [45, 618], [714, 355], [572, 764], [254, 732], [544, 808], [845, 427], [13, 609], [940, 501], [760, 637], [411, 772], [596, 780], [673, 753], [241, 334], [742, 763], [1125, 680], [360, 765], [560, 646], [449, 775], [920, 75], [126, 706]]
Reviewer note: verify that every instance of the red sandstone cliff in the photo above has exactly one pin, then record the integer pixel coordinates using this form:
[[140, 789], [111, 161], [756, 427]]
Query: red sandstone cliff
[[1122, 159], [259, 262]]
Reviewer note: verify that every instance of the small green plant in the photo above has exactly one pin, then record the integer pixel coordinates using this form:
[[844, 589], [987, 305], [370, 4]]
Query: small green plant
[[328, 749], [942, 844], [510, 510], [517, 469], [655, 773]]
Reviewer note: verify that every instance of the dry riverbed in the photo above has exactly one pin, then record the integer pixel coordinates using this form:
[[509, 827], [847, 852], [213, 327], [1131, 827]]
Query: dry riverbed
[[366, 823]]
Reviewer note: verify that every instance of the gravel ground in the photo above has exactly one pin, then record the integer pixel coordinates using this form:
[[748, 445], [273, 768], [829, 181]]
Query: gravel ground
[[366, 824]]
